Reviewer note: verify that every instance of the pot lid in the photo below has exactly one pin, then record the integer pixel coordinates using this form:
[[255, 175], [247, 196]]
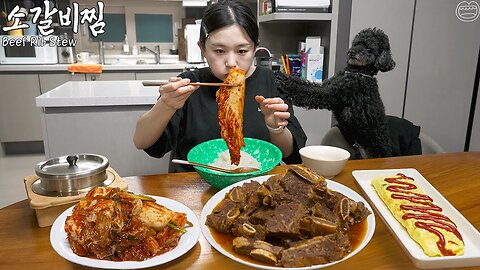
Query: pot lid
[[72, 166]]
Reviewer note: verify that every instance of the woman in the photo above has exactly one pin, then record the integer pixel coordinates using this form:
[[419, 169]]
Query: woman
[[185, 116]]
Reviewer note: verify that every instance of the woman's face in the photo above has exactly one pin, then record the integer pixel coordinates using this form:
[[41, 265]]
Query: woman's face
[[228, 47]]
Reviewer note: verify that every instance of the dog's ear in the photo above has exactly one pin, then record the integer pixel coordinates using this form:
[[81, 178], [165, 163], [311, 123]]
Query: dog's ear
[[384, 62]]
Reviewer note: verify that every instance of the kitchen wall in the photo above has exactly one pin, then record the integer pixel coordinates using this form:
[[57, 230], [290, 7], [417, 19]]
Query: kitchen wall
[[130, 8], [398, 26], [437, 55]]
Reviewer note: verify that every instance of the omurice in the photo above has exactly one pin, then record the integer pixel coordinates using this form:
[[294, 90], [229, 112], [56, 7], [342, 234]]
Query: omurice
[[416, 211]]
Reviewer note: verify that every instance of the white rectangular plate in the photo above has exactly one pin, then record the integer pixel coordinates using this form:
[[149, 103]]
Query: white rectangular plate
[[471, 236]]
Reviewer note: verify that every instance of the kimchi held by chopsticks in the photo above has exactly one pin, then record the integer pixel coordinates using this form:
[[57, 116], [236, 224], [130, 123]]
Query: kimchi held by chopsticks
[[115, 225], [230, 112]]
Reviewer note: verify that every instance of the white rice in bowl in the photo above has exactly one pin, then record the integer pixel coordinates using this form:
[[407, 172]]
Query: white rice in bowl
[[246, 160]]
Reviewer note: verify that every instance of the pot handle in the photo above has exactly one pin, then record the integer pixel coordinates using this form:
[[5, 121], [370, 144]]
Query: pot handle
[[72, 160]]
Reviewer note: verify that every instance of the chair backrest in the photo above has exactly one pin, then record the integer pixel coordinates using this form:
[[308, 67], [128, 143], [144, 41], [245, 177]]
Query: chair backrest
[[334, 137], [429, 145]]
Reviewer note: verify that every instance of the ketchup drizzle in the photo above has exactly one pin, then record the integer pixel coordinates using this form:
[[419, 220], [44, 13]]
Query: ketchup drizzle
[[402, 191]]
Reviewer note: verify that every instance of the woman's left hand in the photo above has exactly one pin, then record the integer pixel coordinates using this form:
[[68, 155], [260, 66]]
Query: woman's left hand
[[275, 111]]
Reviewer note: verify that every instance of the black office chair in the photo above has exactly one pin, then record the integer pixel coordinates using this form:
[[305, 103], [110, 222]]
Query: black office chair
[[407, 139]]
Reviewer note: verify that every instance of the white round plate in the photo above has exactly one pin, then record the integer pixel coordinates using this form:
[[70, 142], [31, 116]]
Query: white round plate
[[219, 196], [59, 241]]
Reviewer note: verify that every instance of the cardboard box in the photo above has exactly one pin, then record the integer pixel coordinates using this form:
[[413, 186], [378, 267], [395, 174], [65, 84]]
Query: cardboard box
[[313, 44], [314, 67], [186, 21], [182, 56]]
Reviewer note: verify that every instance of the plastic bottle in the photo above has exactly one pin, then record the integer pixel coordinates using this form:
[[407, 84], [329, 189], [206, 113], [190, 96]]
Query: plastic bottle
[[134, 49], [126, 47]]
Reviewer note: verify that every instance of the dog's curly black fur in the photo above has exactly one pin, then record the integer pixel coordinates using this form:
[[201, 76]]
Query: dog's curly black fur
[[352, 94]]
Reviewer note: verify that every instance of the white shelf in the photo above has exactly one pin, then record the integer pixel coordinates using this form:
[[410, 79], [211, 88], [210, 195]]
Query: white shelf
[[295, 17]]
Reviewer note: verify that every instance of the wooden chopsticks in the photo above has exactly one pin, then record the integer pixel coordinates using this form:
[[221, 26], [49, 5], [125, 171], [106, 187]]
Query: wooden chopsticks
[[158, 83]]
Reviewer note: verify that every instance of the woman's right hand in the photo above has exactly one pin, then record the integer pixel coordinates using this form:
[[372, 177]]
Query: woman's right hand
[[175, 93]]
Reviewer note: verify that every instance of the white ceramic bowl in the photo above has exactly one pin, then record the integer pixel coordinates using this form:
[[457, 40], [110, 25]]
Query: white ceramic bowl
[[327, 161]]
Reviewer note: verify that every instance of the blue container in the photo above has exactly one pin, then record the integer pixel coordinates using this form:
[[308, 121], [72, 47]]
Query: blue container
[[31, 30]]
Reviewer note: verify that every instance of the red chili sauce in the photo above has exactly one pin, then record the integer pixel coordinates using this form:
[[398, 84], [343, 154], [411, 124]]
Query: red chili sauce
[[428, 210]]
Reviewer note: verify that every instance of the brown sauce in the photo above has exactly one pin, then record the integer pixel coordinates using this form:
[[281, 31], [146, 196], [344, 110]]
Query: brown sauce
[[225, 240]]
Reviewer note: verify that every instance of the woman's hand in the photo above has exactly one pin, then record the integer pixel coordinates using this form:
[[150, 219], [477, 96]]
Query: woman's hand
[[152, 123], [175, 93], [274, 110]]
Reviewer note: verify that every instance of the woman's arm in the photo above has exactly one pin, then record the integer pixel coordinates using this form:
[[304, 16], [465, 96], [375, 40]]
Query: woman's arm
[[284, 141], [276, 114], [151, 125]]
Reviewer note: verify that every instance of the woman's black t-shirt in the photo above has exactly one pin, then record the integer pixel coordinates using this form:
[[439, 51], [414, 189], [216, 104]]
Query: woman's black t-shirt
[[197, 120]]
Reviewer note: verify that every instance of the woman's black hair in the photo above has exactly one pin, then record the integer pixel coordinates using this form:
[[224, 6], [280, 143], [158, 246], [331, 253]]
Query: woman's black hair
[[228, 12]]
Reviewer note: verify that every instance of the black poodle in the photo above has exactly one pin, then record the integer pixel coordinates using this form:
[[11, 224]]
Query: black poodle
[[352, 94]]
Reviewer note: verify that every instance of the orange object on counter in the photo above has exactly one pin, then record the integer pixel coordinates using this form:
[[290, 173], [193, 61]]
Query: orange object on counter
[[85, 68]]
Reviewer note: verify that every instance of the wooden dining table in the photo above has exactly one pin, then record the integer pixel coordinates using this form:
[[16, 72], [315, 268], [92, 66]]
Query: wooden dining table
[[24, 245]]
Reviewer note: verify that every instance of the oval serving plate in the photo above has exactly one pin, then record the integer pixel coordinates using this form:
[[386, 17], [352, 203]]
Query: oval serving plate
[[212, 203], [59, 242], [471, 236]]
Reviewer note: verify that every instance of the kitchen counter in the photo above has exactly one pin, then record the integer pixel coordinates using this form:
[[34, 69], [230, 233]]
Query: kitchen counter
[[99, 117], [98, 93], [114, 67]]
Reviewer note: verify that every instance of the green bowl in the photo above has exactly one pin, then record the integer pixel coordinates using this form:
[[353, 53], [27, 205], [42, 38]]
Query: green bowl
[[267, 154]]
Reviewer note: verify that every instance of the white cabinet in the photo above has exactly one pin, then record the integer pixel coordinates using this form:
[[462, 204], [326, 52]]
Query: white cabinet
[[76, 121], [19, 117], [106, 130]]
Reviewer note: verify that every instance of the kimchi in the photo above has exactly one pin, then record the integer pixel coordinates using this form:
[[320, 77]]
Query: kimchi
[[230, 101], [115, 225]]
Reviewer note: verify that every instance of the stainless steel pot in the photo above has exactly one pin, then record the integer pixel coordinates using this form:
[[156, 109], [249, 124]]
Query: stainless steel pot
[[70, 175]]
